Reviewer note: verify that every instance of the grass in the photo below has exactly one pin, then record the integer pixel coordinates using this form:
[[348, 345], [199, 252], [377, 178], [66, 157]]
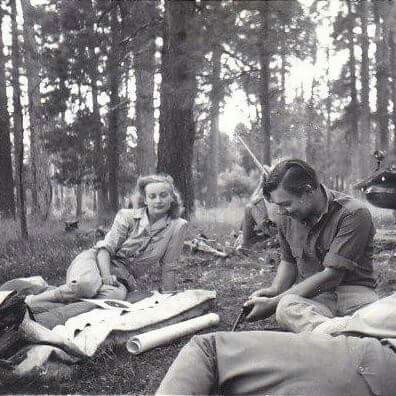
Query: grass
[[113, 370]]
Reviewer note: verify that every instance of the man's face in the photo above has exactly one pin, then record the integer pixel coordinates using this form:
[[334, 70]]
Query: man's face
[[292, 205]]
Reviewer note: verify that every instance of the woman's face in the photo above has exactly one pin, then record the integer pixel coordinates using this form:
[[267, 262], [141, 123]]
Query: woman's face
[[158, 198]]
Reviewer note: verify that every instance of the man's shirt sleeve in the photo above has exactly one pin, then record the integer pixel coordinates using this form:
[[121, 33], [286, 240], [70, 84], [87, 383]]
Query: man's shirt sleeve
[[351, 240], [286, 253]]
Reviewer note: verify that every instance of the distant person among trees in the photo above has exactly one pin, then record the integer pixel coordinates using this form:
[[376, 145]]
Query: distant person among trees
[[258, 223], [139, 253], [326, 243]]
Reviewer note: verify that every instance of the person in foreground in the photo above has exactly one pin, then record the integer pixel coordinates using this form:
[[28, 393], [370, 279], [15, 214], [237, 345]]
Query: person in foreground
[[139, 253], [19, 331], [353, 355], [326, 243]]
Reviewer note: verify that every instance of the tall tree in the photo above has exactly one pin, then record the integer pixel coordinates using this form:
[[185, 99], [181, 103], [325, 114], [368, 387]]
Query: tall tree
[[38, 157], [353, 135], [7, 202], [178, 88], [365, 126], [346, 87], [145, 20], [264, 89], [100, 166], [18, 123], [393, 87], [382, 74], [115, 80], [215, 97]]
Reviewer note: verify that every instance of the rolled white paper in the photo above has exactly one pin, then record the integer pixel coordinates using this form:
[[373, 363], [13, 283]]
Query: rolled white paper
[[146, 341]]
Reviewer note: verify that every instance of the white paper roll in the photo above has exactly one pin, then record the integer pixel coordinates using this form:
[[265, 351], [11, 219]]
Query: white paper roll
[[146, 341]]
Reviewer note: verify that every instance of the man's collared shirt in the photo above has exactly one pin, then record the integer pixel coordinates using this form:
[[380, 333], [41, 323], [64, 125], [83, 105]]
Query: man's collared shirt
[[339, 237]]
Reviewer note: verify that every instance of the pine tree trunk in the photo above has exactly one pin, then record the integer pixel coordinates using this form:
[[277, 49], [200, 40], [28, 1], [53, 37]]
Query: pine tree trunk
[[57, 197], [94, 201], [215, 97], [283, 68], [353, 135], [38, 157], [365, 104], [310, 147], [393, 69], [328, 109], [79, 198], [382, 135], [115, 77], [178, 89], [100, 163], [144, 64], [62, 196], [265, 58], [18, 124], [7, 200]]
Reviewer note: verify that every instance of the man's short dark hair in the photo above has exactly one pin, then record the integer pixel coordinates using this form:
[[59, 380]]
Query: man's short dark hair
[[294, 175]]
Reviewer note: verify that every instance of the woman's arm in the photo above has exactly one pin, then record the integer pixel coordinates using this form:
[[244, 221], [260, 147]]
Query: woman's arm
[[103, 262], [110, 245], [118, 232]]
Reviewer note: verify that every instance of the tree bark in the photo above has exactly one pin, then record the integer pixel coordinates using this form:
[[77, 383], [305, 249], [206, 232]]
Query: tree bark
[[283, 67], [382, 135], [38, 157], [393, 69], [353, 135], [100, 165], [178, 89], [115, 78], [328, 108], [265, 58], [79, 198], [7, 199], [365, 104], [18, 123], [144, 65], [215, 97]]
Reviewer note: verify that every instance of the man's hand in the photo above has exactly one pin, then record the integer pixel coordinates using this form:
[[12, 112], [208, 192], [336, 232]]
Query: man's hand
[[265, 292], [110, 280], [263, 307]]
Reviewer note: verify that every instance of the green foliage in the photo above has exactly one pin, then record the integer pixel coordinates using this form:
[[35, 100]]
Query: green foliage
[[73, 146], [237, 183]]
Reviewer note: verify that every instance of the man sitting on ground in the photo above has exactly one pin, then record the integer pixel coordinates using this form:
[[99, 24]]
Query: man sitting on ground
[[258, 222], [326, 243]]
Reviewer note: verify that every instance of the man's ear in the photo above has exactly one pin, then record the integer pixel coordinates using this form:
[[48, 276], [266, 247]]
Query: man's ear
[[308, 188]]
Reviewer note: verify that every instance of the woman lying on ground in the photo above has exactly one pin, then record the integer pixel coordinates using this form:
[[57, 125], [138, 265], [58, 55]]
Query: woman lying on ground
[[139, 253]]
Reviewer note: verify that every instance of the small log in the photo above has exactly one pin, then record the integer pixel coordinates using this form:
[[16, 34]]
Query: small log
[[71, 225]]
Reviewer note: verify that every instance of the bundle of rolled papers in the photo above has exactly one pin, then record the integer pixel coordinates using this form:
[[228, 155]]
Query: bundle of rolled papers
[[146, 341]]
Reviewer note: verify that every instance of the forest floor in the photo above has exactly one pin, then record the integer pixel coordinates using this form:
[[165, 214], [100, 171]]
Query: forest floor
[[113, 370]]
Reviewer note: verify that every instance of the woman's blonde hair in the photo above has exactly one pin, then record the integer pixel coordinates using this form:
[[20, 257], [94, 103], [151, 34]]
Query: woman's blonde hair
[[176, 207]]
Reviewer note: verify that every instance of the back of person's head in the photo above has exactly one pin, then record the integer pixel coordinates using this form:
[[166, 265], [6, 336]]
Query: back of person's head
[[293, 175], [176, 208]]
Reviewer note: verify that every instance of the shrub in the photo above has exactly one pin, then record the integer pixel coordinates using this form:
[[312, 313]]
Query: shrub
[[236, 182]]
